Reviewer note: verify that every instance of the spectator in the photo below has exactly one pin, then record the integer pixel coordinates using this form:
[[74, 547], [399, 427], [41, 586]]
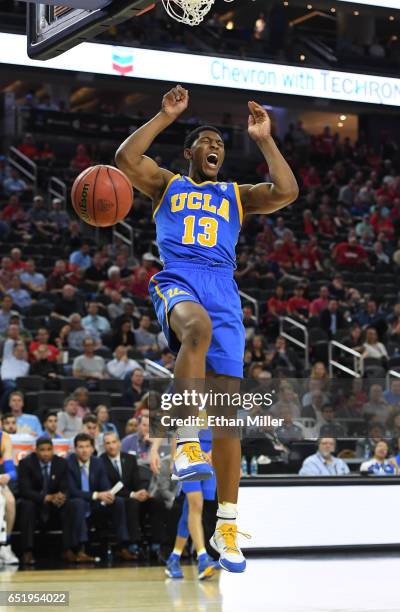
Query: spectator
[[20, 297], [121, 365], [147, 266], [138, 443], [75, 334], [320, 373], [34, 281], [329, 427], [42, 339], [392, 395], [257, 349], [28, 148], [58, 217], [277, 304], [137, 387], [130, 312], [67, 304], [289, 431], [88, 483], [91, 427], [377, 409], [354, 340], [93, 322], [114, 282], [17, 263], [145, 340], [123, 467], [89, 365], [285, 357], [167, 359], [349, 254], [81, 395], [6, 274], [81, 161], [332, 319], [298, 305], [6, 313], [131, 426], [69, 423], [59, 278], [320, 303], [249, 322], [365, 446], [374, 349], [123, 336], [14, 184], [103, 421], [45, 367], [14, 364], [336, 288], [96, 273], [116, 307], [379, 465], [50, 425], [26, 423], [323, 462], [81, 258], [9, 423], [43, 488], [306, 260]]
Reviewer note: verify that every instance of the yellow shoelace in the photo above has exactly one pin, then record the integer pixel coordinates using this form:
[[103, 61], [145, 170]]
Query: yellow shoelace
[[193, 452], [228, 533]]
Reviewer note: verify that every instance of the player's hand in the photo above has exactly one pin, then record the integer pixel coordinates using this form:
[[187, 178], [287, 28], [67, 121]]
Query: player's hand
[[175, 102], [155, 461], [259, 124]]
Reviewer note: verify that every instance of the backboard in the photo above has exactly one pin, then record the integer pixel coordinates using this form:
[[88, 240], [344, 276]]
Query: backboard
[[53, 29]]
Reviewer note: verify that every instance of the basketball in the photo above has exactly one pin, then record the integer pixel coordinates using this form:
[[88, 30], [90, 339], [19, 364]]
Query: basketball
[[102, 195]]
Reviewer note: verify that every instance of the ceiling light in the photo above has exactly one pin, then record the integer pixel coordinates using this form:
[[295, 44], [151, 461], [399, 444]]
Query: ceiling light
[[333, 10], [356, 13], [343, 117], [309, 6], [340, 124], [302, 57], [230, 25]]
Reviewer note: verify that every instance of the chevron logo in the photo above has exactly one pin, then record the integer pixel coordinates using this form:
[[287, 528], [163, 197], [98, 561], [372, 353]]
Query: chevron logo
[[122, 63]]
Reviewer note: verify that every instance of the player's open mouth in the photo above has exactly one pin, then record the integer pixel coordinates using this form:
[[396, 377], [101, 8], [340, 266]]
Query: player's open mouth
[[212, 160]]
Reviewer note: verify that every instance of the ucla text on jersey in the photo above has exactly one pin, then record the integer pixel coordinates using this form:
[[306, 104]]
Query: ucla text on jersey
[[198, 221]]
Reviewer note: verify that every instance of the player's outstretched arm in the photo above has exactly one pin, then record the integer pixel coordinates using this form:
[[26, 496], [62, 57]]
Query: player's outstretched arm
[[144, 172], [268, 197]]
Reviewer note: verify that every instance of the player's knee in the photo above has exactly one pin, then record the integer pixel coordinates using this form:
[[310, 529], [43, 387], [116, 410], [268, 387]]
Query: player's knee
[[196, 506], [197, 332]]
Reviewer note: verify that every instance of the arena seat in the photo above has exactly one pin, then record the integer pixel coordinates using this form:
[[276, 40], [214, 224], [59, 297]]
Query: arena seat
[[50, 400], [30, 383]]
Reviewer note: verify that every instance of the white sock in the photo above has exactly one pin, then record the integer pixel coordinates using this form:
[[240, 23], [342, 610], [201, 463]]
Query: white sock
[[201, 551], [187, 434], [177, 552], [226, 513]]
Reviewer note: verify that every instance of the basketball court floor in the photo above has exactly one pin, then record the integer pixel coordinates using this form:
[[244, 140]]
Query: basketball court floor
[[340, 583]]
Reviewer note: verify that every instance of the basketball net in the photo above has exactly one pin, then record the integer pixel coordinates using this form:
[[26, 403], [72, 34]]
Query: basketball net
[[189, 12]]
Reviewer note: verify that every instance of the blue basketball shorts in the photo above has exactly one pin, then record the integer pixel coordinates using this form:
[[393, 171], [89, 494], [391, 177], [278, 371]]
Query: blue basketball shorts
[[214, 288]]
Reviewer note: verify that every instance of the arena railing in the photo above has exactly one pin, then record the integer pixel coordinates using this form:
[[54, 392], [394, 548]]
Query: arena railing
[[286, 334], [155, 368], [24, 165], [357, 359], [249, 298], [57, 189], [117, 235]]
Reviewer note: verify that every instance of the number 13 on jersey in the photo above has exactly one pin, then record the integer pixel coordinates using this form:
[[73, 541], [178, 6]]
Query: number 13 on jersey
[[207, 237]]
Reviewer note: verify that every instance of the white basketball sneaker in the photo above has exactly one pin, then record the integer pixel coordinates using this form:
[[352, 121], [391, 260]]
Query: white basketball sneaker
[[224, 541], [190, 463]]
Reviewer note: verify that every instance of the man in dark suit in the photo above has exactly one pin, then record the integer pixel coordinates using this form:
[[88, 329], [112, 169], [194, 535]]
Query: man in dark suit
[[90, 487], [332, 319], [44, 496], [138, 503]]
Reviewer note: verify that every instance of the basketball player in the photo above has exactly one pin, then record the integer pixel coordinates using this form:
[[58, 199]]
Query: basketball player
[[196, 492], [198, 221]]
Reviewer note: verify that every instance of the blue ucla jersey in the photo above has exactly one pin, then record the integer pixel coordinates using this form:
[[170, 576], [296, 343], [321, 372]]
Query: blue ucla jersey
[[198, 222]]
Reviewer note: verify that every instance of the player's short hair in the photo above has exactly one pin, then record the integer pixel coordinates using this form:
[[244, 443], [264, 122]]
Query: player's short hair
[[192, 136], [42, 441]]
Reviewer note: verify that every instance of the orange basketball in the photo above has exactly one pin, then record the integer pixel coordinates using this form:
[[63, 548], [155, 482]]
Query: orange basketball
[[102, 195]]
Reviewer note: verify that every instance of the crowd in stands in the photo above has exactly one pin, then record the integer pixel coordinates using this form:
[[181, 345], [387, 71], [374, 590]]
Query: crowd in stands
[[76, 324]]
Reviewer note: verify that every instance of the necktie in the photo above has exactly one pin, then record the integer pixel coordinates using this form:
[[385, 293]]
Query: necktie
[[85, 486], [46, 478], [117, 466], [84, 479]]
